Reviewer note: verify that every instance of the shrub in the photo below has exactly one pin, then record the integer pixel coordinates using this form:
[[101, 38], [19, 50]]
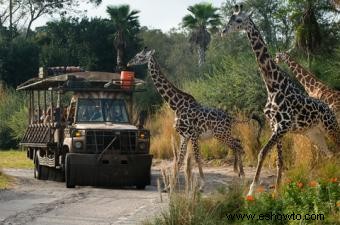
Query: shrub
[[12, 117]]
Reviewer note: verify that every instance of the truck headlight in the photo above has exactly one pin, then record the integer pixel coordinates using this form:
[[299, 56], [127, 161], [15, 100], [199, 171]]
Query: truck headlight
[[142, 134], [142, 146], [78, 144], [78, 133]]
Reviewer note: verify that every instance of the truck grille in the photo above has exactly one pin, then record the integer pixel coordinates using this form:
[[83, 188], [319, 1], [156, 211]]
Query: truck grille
[[98, 140]]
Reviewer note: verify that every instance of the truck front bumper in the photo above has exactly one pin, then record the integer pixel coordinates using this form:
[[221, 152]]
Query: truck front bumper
[[109, 170]]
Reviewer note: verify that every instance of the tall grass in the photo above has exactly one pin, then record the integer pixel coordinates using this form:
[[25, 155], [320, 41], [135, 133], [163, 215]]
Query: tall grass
[[299, 151], [299, 195], [162, 129]]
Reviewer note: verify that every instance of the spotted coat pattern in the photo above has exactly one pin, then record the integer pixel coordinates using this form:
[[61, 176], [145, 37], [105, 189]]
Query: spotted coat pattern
[[313, 86], [192, 119], [288, 109]]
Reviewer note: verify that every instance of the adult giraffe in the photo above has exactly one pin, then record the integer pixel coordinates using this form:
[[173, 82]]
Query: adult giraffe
[[288, 109], [313, 86], [192, 119]]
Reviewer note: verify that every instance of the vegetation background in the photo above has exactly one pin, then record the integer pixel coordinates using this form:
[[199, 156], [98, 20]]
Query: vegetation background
[[218, 72]]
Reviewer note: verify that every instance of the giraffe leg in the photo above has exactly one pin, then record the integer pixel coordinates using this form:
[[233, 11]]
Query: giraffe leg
[[279, 164], [317, 137], [261, 156], [235, 161], [240, 165], [180, 158], [196, 149], [235, 144]]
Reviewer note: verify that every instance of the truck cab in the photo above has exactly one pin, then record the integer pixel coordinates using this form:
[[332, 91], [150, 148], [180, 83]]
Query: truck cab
[[81, 130]]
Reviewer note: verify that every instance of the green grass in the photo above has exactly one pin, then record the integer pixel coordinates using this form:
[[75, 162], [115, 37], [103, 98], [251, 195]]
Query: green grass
[[304, 191], [5, 181], [15, 159]]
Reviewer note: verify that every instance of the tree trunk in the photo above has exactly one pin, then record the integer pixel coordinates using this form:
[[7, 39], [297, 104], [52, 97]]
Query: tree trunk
[[10, 19], [29, 28], [120, 58], [201, 55]]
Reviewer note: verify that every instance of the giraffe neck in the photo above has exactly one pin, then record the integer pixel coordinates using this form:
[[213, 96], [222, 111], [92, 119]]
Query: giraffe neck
[[311, 83], [270, 71], [172, 95]]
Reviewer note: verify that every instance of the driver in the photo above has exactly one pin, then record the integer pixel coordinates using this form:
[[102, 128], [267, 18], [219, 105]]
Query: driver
[[97, 114], [117, 115]]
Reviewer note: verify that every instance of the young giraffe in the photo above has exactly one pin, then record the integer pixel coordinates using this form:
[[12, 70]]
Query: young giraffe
[[288, 109], [192, 119], [313, 86]]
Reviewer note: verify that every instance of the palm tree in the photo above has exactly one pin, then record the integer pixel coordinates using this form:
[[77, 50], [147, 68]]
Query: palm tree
[[127, 25], [203, 17]]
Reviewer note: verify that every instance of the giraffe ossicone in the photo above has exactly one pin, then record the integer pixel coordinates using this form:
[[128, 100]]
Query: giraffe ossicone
[[288, 109], [192, 119]]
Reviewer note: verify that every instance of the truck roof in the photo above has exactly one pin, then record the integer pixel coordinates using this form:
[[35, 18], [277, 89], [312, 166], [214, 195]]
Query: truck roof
[[82, 81]]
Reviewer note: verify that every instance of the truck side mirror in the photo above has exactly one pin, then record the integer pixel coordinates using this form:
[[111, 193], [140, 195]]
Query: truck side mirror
[[142, 118]]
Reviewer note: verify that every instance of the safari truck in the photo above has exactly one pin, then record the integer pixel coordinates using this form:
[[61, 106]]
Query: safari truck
[[80, 128]]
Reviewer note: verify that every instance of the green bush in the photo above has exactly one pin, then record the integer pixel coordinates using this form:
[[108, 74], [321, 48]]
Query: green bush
[[17, 123], [295, 198], [13, 118], [230, 86]]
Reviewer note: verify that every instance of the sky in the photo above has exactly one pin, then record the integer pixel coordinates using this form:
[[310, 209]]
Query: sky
[[155, 14]]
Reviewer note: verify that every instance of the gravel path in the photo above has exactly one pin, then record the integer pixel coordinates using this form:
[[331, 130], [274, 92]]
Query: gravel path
[[36, 202]]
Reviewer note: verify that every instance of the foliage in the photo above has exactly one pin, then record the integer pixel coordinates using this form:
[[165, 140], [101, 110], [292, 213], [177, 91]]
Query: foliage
[[11, 104], [312, 21], [74, 42], [19, 60], [26, 12], [203, 18], [17, 123], [127, 26], [317, 200], [175, 58], [226, 85]]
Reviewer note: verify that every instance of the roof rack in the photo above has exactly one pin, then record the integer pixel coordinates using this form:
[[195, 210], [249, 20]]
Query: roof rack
[[82, 81]]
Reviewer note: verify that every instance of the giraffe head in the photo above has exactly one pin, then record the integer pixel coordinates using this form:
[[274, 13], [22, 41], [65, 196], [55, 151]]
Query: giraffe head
[[238, 21], [141, 57], [281, 57]]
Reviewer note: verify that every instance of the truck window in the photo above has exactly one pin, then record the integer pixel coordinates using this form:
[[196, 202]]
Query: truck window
[[102, 110]]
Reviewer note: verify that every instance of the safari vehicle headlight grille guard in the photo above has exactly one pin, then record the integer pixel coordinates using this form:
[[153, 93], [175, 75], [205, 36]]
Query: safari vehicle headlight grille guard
[[125, 141]]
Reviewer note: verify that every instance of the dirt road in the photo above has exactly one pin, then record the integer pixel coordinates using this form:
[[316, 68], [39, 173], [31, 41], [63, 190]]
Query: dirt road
[[47, 202]]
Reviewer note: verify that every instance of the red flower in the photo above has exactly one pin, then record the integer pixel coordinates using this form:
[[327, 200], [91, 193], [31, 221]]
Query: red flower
[[288, 181], [299, 184], [313, 183], [250, 198], [333, 180]]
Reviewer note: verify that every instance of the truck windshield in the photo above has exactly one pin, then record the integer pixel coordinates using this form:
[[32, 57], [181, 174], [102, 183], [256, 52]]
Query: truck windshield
[[102, 110]]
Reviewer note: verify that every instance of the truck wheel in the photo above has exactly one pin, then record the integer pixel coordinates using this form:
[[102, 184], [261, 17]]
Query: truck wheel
[[140, 187], [37, 169], [68, 181]]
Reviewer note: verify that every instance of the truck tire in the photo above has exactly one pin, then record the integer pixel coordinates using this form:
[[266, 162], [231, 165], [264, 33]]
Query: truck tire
[[68, 181], [140, 187], [37, 169], [40, 171]]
